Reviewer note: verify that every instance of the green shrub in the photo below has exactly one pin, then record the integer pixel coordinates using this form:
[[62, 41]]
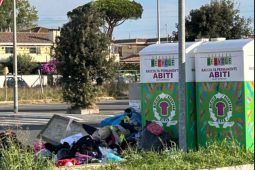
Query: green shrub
[[25, 65]]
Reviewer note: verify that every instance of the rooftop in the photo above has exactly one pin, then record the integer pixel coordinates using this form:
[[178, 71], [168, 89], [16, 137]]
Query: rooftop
[[142, 41], [25, 37], [131, 59]]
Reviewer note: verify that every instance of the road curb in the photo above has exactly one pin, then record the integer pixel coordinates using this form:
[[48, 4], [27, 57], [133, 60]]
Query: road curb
[[6, 102], [238, 167], [45, 101], [105, 98]]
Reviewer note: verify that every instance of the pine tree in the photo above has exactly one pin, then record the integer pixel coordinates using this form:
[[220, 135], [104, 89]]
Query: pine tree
[[116, 12], [217, 19], [83, 54], [26, 15]]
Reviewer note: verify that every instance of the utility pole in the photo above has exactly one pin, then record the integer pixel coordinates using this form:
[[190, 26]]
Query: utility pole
[[15, 72], [166, 33], [182, 76], [158, 20]]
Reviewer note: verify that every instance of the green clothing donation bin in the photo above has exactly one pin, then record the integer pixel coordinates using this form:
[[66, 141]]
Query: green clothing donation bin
[[159, 85], [225, 91]]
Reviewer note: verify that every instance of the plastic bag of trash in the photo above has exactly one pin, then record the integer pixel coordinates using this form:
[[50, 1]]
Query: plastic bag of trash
[[109, 155], [134, 118], [151, 142]]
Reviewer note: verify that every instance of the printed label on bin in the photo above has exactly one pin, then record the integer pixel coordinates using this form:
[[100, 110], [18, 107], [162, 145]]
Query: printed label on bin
[[220, 109], [219, 67], [158, 69], [164, 109]]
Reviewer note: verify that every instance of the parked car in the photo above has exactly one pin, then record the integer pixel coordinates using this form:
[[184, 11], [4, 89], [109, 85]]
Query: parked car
[[10, 82], [124, 80]]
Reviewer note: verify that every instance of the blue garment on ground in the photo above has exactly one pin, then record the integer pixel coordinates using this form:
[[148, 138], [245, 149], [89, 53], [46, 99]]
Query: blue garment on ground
[[115, 120]]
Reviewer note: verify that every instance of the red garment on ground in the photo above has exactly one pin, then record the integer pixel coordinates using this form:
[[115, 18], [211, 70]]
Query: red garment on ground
[[155, 128], [65, 162]]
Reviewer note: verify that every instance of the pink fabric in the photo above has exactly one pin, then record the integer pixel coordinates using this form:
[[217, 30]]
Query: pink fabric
[[155, 128], [82, 158], [38, 146]]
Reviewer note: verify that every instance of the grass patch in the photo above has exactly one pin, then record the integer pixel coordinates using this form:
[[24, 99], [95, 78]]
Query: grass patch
[[52, 93], [217, 154], [16, 157]]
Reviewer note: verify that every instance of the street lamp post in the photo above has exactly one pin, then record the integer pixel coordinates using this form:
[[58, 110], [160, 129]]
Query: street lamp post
[[182, 76], [158, 20], [166, 33], [15, 98]]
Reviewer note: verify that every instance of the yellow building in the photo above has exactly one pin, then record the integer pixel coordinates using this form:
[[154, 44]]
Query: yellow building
[[128, 49], [38, 45]]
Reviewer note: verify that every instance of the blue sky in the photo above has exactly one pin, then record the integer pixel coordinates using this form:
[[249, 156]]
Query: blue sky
[[52, 14]]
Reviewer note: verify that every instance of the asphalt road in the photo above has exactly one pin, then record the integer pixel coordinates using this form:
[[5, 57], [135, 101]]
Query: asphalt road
[[31, 119], [106, 107]]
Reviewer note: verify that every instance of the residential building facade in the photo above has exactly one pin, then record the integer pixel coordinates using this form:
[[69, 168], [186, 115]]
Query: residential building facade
[[38, 44], [128, 49]]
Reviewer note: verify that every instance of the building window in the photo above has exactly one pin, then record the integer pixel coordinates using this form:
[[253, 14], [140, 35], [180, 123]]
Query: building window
[[8, 50], [34, 50], [114, 49]]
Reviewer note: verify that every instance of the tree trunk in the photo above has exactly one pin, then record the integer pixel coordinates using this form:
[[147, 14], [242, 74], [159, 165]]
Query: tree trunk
[[110, 32]]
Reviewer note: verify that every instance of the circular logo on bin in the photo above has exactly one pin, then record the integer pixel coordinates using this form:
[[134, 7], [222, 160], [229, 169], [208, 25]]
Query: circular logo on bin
[[164, 109], [220, 108]]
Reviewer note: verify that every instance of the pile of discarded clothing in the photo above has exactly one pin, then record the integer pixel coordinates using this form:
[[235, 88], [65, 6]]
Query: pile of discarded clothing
[[84, 150], [105, 143]]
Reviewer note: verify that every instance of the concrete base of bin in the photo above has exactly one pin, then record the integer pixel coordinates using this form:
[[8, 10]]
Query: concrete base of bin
[[135, 96], [134, 91], [83, 111]]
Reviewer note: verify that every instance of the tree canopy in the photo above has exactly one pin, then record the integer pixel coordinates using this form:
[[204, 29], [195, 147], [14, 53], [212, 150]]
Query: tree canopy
[[217, 19], [26, 15], [25, 64], [117, 12], [83, 55]]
